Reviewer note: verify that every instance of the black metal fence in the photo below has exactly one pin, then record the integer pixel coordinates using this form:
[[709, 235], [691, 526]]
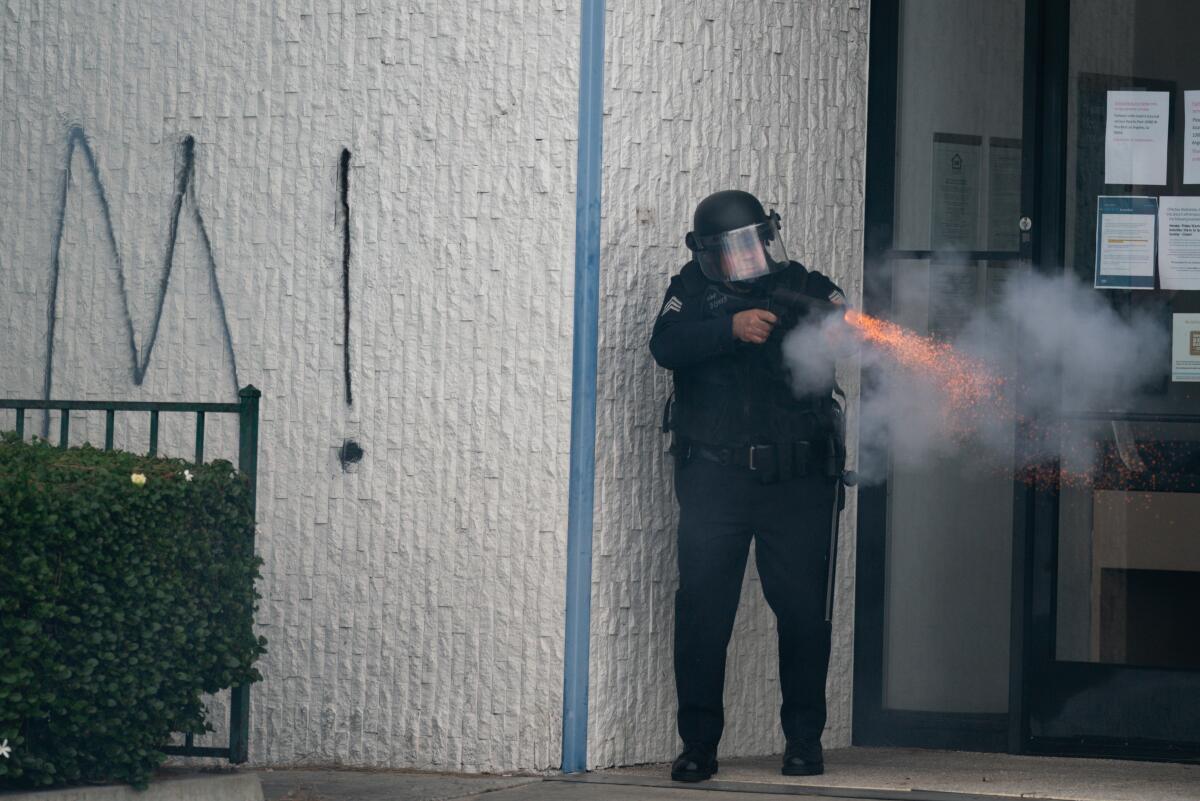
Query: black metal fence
[[246, 410]]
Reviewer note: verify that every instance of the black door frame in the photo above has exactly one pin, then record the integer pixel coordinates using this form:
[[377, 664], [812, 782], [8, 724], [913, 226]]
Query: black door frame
[[1043, 187]]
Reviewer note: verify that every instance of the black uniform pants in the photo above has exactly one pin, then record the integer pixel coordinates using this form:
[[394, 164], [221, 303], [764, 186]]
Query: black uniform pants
[[721, 509]]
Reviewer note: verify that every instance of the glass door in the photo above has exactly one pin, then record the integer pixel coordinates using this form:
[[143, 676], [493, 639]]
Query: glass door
[[1112, 663], [944, 191]]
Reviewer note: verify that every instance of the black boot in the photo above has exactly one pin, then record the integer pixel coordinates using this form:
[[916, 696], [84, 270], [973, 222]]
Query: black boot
[[803, 758], [695, 764]]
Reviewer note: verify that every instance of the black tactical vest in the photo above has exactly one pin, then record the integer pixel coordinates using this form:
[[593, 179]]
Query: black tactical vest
[[746, 397]]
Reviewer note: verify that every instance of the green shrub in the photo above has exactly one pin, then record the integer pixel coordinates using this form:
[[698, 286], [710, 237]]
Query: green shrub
[[120, 604]]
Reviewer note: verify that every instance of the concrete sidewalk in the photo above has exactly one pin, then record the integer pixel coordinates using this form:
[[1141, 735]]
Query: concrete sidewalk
[[297, 785], [905, 771], [356, 785], [878, 774], [353, 786]]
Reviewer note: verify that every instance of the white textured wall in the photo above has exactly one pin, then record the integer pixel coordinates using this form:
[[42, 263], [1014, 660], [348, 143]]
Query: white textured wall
[[700, 96], [414, 605]]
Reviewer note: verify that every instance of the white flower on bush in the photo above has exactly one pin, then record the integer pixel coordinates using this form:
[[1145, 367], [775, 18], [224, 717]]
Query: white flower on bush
[[5, 749], [138, 478], [187, 475]]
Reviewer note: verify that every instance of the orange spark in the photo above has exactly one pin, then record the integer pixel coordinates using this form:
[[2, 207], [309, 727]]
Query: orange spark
[[972, 396], [968, 387]]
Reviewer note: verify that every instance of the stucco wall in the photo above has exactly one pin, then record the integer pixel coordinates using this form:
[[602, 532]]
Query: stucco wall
[[764, 96], [413, 601]]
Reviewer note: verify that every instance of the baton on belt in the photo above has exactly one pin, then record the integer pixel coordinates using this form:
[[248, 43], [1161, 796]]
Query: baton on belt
[[848, 478], [835, 468]]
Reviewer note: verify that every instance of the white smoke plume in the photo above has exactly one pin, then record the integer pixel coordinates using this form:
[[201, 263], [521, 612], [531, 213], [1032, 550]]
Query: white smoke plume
[[959, 394]]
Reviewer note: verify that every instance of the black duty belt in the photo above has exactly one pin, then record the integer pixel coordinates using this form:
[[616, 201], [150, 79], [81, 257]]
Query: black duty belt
[[780, 460]]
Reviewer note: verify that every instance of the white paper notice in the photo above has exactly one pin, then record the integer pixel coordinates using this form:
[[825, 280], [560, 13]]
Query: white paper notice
[[1004, 194], [1179, 242], [1135, 138], [1125, 242], [954, 216], [1191, 142], [1185, 347]]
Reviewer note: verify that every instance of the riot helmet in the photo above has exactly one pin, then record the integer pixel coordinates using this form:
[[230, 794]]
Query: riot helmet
[[734, 239]]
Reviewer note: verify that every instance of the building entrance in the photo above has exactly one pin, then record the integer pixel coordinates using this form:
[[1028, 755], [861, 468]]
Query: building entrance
[[1037, 594]]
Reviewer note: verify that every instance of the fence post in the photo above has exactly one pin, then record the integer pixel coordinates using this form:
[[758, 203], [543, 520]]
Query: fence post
[[239, 705], [199, 438], [154, 433]]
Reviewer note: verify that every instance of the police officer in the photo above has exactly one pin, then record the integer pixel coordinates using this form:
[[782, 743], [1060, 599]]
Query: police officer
[[750, 464]]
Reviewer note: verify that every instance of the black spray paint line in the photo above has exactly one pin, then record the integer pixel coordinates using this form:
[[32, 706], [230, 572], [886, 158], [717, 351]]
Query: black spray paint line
[[342, 220], [184, 189]]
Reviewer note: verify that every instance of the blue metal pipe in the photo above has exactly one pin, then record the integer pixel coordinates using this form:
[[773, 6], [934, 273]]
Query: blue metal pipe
[[581, 489]]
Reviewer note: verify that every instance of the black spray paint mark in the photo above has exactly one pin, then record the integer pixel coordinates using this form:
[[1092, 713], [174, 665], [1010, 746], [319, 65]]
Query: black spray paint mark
[[184, 189], [342, 219], [350, 453]]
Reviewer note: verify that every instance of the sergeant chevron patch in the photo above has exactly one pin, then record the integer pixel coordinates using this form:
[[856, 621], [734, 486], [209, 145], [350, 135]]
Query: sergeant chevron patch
[[674, 304]]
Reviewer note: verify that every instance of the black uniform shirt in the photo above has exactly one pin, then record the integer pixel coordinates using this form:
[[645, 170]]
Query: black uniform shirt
[[728, 392]]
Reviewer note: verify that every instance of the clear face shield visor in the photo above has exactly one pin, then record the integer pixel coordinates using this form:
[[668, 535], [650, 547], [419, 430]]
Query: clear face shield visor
[[742, 254]]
